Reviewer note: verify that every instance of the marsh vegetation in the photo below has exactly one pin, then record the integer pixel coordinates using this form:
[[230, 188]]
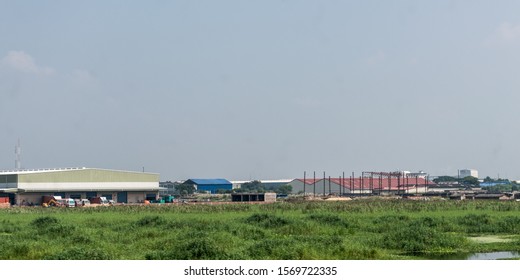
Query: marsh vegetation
[[359, 229]]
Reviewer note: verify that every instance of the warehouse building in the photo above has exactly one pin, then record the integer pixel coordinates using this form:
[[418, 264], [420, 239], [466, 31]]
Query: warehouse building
[[268, 184], [29, 186], [253, 197], [210, 185], [341, 186]]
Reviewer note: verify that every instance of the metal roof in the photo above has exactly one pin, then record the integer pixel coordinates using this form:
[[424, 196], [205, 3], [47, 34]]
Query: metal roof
[[43, 170], [210, 181], [392, 184]]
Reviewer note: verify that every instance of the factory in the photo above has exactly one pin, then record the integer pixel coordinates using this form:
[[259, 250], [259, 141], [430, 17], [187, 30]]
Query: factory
[[366, 185], [29, 186]]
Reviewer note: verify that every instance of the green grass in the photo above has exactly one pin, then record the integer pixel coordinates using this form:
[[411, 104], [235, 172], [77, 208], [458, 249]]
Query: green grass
[[359, 229]]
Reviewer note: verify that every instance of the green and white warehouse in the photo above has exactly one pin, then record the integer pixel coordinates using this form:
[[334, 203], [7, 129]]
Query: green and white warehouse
[[29, 186]]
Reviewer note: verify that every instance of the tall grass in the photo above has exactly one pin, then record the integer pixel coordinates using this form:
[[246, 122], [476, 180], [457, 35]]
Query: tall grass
[[364, 229]]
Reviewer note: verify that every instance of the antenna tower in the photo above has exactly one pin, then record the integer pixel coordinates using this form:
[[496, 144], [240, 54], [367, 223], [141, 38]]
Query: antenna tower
[[18, 151]]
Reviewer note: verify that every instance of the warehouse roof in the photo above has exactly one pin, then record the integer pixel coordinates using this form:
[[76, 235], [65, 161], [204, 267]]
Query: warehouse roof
[[43, 170], [209, 181]]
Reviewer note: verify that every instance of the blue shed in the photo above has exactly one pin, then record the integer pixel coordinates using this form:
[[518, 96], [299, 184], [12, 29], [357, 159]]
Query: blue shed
[[211, 185]]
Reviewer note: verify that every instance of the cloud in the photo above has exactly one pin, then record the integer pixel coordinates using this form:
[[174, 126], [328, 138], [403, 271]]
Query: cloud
[[508, 32], [23, 62], [376, 58]]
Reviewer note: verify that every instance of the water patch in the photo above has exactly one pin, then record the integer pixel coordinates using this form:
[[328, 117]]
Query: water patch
[[494, 255], [475, 256]]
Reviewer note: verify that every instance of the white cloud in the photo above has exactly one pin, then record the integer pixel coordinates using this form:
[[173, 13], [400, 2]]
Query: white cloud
[[21, 61], [82, 75], [508, 32]]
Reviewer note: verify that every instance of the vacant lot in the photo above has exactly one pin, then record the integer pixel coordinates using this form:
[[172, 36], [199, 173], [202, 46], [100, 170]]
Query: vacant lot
[[364, 229]]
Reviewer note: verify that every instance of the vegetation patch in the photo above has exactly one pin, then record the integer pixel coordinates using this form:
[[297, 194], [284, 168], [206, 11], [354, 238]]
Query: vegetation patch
[[357, 229], [267, 220]]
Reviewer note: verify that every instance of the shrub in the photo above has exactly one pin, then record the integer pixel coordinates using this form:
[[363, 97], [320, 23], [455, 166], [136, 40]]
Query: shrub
[[329, 219], [201, 248], [151, 221], [81, 254], [267, 220], [419, 238]]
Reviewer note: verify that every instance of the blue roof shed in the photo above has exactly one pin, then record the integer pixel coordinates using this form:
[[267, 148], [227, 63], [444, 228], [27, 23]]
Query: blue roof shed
[[211, 185]]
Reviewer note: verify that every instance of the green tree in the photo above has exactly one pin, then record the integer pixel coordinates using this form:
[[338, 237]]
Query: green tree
[[254, 186], [470, 180], [285, 189], [184, 189], [443, 179]]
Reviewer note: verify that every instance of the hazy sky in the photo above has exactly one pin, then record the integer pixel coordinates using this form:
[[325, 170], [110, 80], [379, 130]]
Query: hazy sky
[[261, 89]]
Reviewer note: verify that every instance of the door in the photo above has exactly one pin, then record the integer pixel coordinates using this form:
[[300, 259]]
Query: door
[[122, 197]]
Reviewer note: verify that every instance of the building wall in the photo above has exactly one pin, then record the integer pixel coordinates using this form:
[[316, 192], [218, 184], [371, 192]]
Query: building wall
[[214, 188], [86, 175], [270, 197], [36, 198], [335, 188], [88, 186], [136, 197], [468, 172]]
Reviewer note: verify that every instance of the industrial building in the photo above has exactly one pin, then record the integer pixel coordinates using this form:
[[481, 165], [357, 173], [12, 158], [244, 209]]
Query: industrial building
[[269, 184], [364, 185], [468, 172], [210, 185], [29, 186], [253, 197]]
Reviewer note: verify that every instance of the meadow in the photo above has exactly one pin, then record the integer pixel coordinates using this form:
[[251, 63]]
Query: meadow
[[360, 229]]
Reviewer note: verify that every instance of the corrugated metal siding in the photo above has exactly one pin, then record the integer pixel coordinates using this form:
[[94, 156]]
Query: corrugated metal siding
[[87, 175], [214, 188]]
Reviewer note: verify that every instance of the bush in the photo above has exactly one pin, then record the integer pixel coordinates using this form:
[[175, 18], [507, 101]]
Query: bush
[[416, 238], [51, 226], [329, 219], [149, 221], [477, 223], [267, 220], [81, 254], [43, 222], [201, 248]]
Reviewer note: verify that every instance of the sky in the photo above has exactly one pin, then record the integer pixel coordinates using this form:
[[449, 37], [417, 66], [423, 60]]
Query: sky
[[261, 89]]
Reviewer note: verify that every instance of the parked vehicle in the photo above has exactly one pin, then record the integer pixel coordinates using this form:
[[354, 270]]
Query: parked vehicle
[[99, 200], [82, 202], [67, 202], [50, 200]]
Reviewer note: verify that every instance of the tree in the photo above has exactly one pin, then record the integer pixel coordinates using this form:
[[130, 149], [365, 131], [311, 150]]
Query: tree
[[254, 186], [285, 189], [444, 179], [184, 189], [470, 180]]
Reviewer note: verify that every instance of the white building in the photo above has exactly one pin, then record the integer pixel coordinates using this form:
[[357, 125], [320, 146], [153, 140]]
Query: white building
[[121, 186], [468, 172]]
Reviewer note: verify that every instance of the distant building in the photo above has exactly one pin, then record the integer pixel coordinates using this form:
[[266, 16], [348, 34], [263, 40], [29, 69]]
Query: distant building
[[360, 185], [269, 184], [420, 174], [238, 184], [468, 172], [253, 197], [210, 185]]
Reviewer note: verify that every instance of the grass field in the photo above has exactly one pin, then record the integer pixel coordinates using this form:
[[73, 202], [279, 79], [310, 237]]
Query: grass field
[[359, 229]]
